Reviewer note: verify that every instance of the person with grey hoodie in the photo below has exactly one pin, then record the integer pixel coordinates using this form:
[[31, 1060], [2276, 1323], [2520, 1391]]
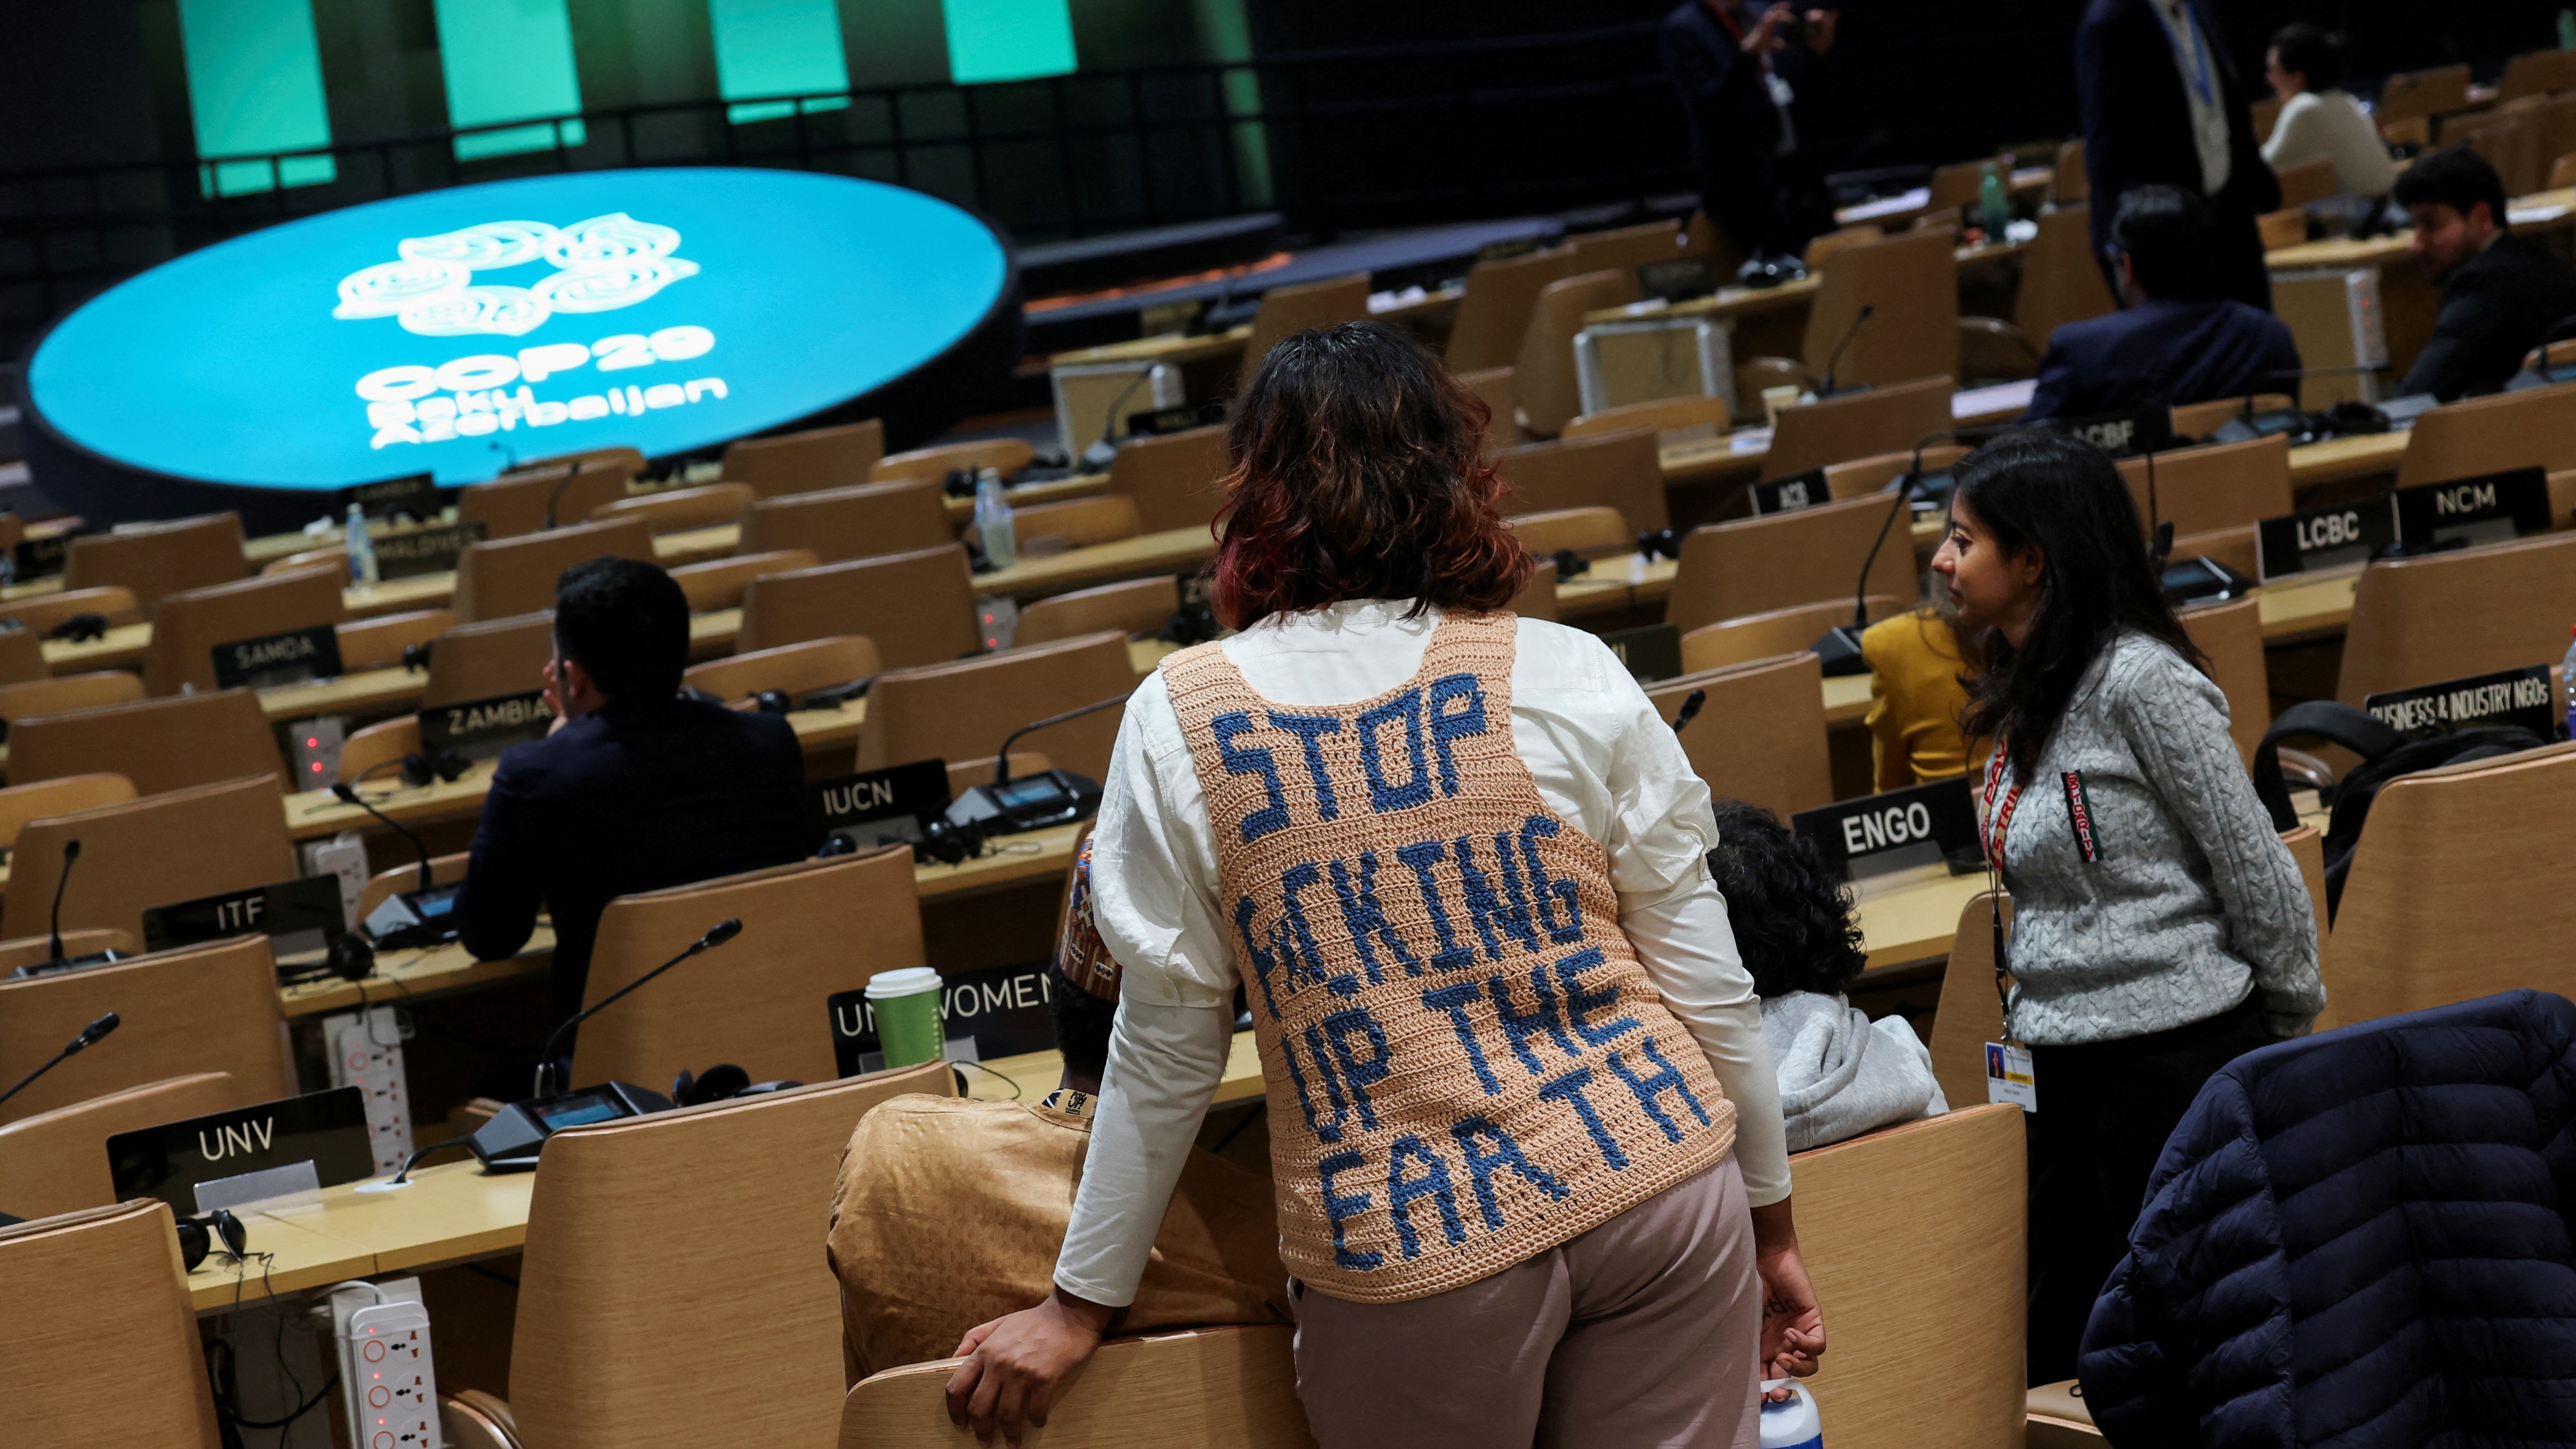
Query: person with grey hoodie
[[1840, 1073]]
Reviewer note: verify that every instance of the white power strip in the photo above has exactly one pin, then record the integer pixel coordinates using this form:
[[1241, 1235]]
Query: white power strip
[[366, 1053], [390, 1385], [343, 855]]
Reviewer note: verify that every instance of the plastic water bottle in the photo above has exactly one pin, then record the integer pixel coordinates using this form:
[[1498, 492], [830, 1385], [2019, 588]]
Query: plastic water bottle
[[993, 521], [1994, 208], [1791, 1423], [2567, 686], [362, 548], [2567, 30]]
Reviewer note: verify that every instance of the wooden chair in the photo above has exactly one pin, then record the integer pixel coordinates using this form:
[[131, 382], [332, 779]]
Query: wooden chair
[[805, 462], [2224, 485], [2455, 889], [1502, 401], [839, 524], [718, 583], [2451, 615], [2279, 230], [943, 711], [103, 1347], [193, 623], [159, 744], [210, 1008], [514, 505], [1543, 373], [2306, 182], [1537, 598], [1626, 248], [517, 575], [629, 460], [2231, 635], [1969, 1013], [1174, 478], [1286, 311], [2537, 73], [152, 850], [1823, 246], [1220, 1388], [919, 607], [2489, 435], [671, 1291], [1080, 522], [1862, 477], [2200, 419], [1138, 608], [2562, 172], [1913, 283], [494, 657], [2060, 283], [22, 655], [56, 1162], [2072, 183], [65, 693], [22, 803], [1587, 531], [154, 559], [2431, 92], [808, 930], [39, 614], [1811, 556], [1006, 456], [1672, 419], [1960, 182], [378, 643], [796, 668], [1886, 419], [1761, 735], [2509, 139], [443, 870], [1615, 470], [376, 749], [1769, 635], [1494, 314], [676, 510]]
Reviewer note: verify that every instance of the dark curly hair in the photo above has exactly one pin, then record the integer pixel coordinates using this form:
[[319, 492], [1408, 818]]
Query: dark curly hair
[[1793, 924]]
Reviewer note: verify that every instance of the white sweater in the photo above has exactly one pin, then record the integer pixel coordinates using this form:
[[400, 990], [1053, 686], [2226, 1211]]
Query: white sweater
[[2332, 126]]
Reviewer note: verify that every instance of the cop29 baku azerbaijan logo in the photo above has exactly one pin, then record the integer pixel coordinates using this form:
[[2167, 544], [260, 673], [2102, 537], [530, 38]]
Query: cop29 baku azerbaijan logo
[[436, 288]]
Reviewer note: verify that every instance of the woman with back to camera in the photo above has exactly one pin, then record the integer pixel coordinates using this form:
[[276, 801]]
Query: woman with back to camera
[[2160, 928], [1525, 1138]]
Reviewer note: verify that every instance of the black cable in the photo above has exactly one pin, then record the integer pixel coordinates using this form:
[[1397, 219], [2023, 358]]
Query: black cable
[[305, 1408]]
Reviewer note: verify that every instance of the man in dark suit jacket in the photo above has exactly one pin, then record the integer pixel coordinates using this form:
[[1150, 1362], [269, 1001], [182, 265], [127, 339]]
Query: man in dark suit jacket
[[2177, 341], [2500, 294], [1731, 63], [635, 789], [2162, 103]]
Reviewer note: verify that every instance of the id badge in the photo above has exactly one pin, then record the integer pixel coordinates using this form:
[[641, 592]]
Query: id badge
[[2008, 1075]]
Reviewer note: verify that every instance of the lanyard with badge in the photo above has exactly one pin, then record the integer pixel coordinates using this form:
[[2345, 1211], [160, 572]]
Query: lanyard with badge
[[2183, 34], [2008, 1064]]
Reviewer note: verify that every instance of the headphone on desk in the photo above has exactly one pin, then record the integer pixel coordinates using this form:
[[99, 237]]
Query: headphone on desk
[[80, 628], [199, 1235], [720, 1083], [444, 763]]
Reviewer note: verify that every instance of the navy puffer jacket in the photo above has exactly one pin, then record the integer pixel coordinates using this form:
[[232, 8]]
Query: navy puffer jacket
[[2358, 1239]]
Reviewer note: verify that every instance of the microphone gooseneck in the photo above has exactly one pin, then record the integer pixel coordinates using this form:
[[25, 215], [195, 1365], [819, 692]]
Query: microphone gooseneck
[[555, 495], [71, 852], [1834, 362], [717, 934], [1002, 761], [347, 794], [89, 1036], [1107, 447]]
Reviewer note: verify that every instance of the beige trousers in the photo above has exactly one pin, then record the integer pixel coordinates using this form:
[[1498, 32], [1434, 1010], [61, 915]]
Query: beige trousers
[[1641, 1334]]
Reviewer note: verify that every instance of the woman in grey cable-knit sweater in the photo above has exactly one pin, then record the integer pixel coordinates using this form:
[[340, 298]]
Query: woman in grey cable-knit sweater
[[2160, 928]]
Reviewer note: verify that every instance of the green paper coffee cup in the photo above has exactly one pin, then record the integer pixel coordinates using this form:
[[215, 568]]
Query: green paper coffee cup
[[906, 1004]]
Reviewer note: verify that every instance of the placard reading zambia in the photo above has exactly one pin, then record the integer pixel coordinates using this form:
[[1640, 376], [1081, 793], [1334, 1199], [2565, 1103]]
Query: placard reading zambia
[[2490, 508], [1876, 834], [327, 1129], [1788, 495], [2506, 697], [876, 805], [481, 729], [424, 550], [297, 656], [2324, 538]]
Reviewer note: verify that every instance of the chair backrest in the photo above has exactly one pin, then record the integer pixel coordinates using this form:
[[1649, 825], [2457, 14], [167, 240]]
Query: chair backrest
[[673, 510], [1625, 248], [2200, 419], [154, 559], [1537, 598], [1825, 244], [2071, 183], [864, 521], [1495, 313], [2562, 172], [2231, 635], [1912, 282], [1080, 522], [1838, 429], [1761, 735], [193, 623], [1769, 635], [1614, 470], [795, 668], [919, 607], [2423, 93], [1006, 456], [1755, 565], [1584, 530], [2223, 485], [1543, 372], [1666, 415], [67, 692], [1173, 478], [517, 575], [337, 556], [155, 850], [2308, 181], [804, 462], [1970, 1013], [1502, 402], [56, 1162], [808, 930], [443, 870], [159, 744], [2537, 73], [22, 803], [368, 752], [1215, 1388], [718, 583], [2457, 889], [378, 643], [2489, 435], [2451, 615], [2508, 139], [1134, 607], [1863, 476], [112, 1354], [494, 657], [672, 1290], [947, 711], [1955, 185], [2059, 281], [628, 461], [209, 1008], [514, 505], [1286, 311], [22, 654]]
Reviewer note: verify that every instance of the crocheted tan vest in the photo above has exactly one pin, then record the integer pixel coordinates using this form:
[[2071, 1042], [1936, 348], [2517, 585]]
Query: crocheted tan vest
[[1465, 1064]]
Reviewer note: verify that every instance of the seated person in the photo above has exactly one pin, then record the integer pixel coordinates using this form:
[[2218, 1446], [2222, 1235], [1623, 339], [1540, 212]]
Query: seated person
[[1841, 1074], [949, 1212], [2499, 293], [2319, 120], [634, 788], [2176, 340], [1916, 698]]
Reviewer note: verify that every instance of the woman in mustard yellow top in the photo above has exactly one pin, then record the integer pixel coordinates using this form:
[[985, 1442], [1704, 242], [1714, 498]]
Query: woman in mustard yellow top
[[1917, 700]]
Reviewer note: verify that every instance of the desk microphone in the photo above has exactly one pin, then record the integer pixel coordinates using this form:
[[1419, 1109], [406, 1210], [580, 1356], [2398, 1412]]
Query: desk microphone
[[556, 496], [1839, 649], [1689, 711], [1002, 762], [88, 1037], [1097, 456], [717, 934], [1825, 389], [347, 794], [71, 852]]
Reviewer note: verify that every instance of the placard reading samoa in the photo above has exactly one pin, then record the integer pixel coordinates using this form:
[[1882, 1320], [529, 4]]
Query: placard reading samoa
[[1466, 1064], [293, 657], [481, 729]]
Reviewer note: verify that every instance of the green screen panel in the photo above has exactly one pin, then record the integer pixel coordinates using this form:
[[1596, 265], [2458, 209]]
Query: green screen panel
[[254, 85], [1006, 40], [777, 48], [508, 60]]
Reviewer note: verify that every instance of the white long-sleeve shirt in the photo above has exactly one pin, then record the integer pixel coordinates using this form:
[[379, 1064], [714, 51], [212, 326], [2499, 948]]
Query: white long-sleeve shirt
[[2332, 126], [1603, 760]]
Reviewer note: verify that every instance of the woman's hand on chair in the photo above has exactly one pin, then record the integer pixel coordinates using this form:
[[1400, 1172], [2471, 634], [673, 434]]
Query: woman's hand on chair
[[1793, 1323], [1016, 1363]]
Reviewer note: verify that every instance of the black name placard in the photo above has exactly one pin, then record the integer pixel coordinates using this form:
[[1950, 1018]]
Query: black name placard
[[1879, 833], [1002, 1009], [1651, 652], [297, 656], [1507, 248], [2506, 697], [300, 915], [1676, 278], [1788, 495], [874, 805], [480, 729], [2123, 434], [327, 1129], [424, 550], [2490, 508], [2324, 538], [1179, 418], [42, 558], [415, 495]]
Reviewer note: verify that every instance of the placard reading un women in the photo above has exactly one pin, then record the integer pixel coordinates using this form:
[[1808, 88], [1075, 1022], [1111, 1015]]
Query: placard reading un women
[[455, 331]]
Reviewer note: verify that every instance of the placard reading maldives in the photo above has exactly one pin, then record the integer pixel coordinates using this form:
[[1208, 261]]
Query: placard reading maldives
[[451, 332]]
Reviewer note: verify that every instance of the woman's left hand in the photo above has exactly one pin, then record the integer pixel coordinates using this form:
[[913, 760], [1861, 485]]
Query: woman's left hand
[[1793, 1323]]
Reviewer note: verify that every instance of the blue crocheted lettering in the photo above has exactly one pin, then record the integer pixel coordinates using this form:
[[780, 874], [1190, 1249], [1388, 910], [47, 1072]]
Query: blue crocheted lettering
[[1263, 962], [1403, 1192], [1454, 999], [1307, 728], [1520, 1026], [1569, 1090], [1341, 1209], [1321, 1056], [1416, 790], [1273, 816], [1362, 917], [1451, 724], [1422, 855], [1292, 880], [1324, 1131], [1550, 893], [1482, 1165], [1359, 1073], [1487, 909], [1666, 1079], [1579, 1001]]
